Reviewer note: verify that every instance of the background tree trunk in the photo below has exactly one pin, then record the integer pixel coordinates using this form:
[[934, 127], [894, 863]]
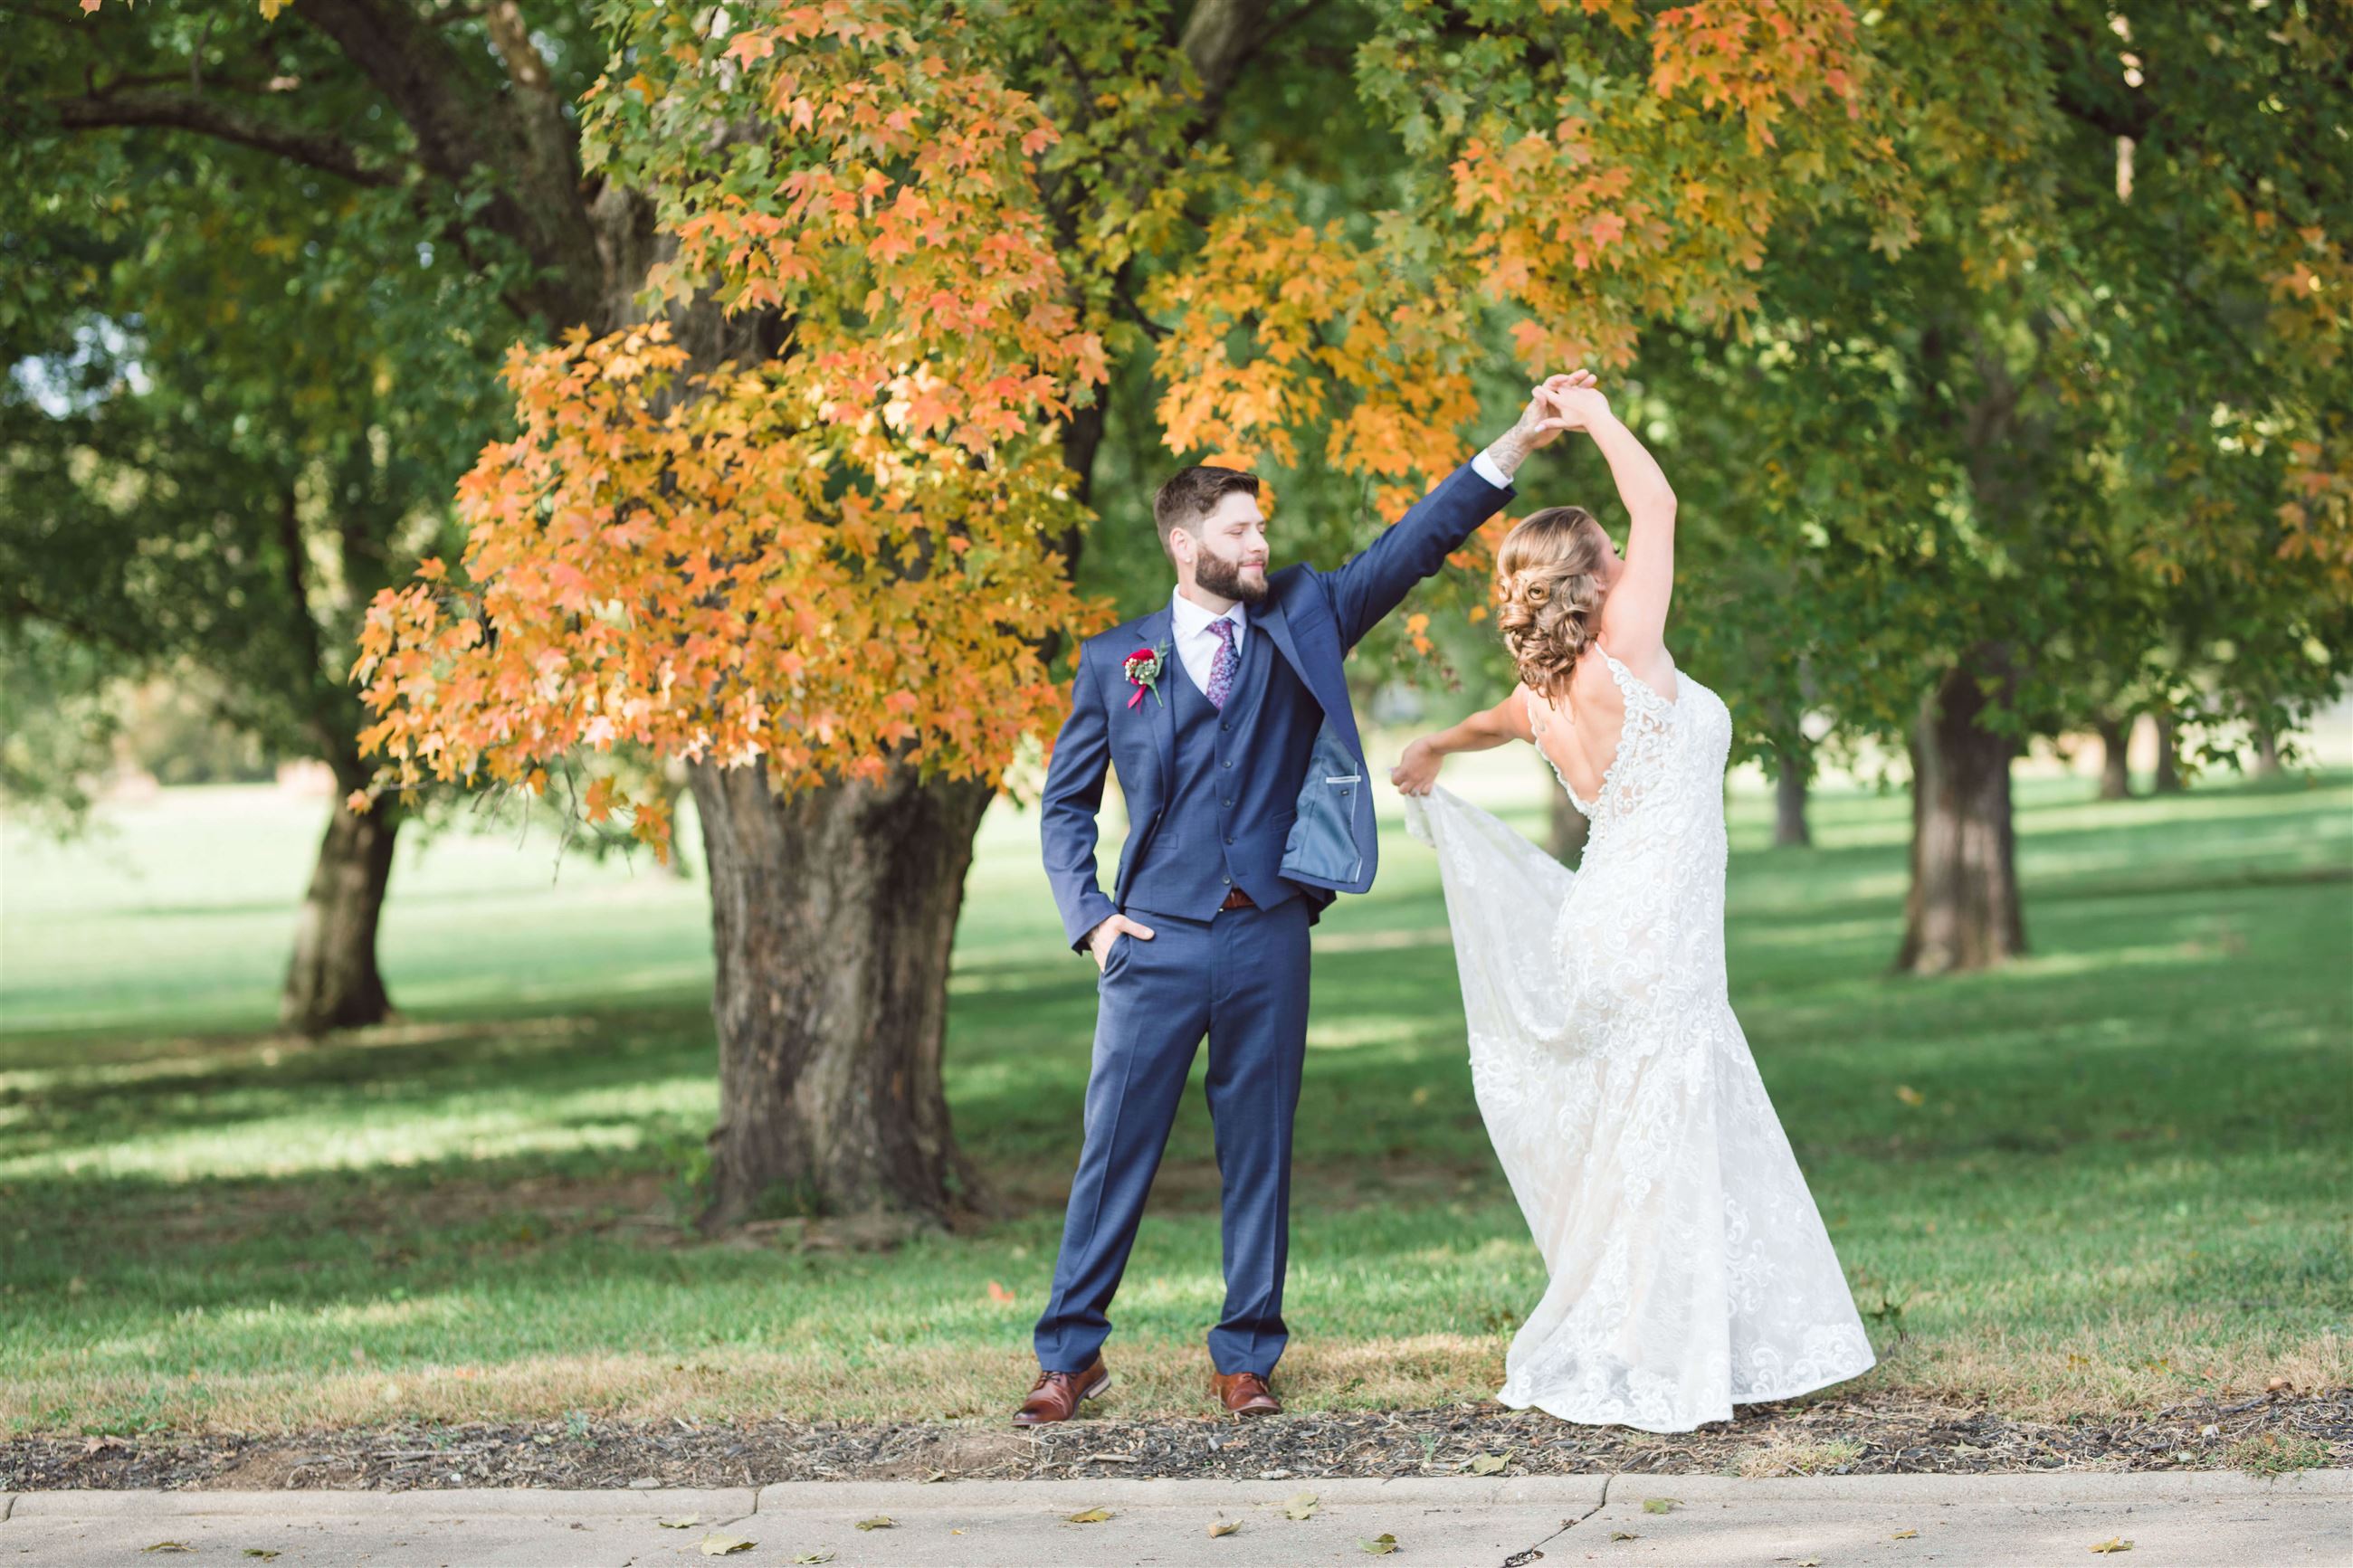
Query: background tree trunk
[[1789, 787], [832, 915], [332, 981], [2168, 754], [1963, 911], [2267, 755], [2115, 769], [1567, 840]]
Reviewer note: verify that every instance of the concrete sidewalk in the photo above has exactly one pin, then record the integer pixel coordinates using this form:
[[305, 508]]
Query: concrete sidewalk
[[2205, 1519]]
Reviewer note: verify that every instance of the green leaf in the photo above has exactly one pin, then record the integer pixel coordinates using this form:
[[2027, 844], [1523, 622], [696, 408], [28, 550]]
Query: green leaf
[[1488, 1464], [1379, 1545], [1300, 1505], [1658, 1504], [880, 1521], [725, 1545]]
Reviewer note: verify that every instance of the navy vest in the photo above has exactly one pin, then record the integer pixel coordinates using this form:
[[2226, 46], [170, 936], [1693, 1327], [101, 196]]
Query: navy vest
[[1236, 786]]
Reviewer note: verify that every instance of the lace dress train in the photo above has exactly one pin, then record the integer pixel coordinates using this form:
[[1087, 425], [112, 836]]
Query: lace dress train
[[1688, 1268]]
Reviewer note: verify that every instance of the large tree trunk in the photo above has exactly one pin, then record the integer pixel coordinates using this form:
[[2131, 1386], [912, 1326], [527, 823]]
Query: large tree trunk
[[2168, 754], [332, 981], [2267, 752], [832, 913], [1963, 911], [1567, 840], [2116, 770], [1789, 781]]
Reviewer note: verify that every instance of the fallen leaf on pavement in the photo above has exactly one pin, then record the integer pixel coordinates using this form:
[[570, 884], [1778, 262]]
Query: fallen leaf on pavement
[[1092, 1516], [823, 1555], [689, 1523], [1658, 1504], [2114, 1543], [1904, 1535], [1224, 1527], [1379, 1545], [169, 1546], [880, 1521], [1300, 1505], [1488, 1464], [1623, 1535], [721, 1545]]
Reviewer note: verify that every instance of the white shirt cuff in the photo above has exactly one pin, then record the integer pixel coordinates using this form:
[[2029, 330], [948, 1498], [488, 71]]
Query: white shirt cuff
[[1489, 472]]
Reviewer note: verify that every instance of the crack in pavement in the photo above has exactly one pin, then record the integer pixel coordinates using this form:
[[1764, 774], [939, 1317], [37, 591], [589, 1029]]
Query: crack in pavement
[[1522, 1558]]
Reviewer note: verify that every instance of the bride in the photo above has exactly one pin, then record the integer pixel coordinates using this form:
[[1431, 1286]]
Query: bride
[[1688, 1270]]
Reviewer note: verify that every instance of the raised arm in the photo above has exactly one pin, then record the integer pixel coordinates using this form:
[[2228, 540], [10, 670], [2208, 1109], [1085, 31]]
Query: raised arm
[[1634, 616], [1067, 807]]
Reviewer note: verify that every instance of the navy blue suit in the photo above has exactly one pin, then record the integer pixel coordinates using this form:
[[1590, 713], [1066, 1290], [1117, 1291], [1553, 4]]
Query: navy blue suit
[[1270, 794]]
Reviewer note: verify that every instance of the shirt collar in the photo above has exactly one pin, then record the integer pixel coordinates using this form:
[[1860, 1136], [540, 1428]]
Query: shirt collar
[[1191, 620]]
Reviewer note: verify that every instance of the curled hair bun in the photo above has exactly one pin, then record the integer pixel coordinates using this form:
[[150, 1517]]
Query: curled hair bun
[[1549, 591]]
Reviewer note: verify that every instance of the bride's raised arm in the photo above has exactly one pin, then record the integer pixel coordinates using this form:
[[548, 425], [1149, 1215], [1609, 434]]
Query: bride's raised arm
[[1634, 616]]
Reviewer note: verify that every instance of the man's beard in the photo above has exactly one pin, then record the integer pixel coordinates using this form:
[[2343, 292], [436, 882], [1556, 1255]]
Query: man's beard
[[1224, 578]]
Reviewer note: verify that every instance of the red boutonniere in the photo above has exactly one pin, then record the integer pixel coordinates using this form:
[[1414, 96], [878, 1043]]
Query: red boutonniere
[[1142, 669]]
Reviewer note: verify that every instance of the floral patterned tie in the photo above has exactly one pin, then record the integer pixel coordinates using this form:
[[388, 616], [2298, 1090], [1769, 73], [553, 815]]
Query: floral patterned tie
[[1223, 664]]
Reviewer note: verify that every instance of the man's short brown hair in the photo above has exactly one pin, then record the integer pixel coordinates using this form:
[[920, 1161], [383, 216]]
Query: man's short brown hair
[[1191, 494]]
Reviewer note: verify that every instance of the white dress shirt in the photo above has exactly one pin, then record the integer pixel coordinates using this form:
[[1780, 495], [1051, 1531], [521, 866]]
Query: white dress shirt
[[1197, 644]]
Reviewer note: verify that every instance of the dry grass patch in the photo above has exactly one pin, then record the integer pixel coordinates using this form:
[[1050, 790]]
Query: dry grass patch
[[1789, 1456]]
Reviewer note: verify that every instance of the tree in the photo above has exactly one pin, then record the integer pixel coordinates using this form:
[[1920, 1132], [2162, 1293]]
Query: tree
[[237, 398], [811, 524], [2075, 442]]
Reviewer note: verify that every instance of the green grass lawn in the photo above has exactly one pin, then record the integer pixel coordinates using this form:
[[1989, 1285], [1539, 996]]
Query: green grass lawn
[[2111, 1175]]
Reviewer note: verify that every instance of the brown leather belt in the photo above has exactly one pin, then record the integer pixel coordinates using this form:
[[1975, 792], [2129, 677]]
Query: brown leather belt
[[1238, 900]]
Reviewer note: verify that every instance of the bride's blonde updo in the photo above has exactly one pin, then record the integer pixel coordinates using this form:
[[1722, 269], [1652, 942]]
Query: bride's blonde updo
[[1549, 587]]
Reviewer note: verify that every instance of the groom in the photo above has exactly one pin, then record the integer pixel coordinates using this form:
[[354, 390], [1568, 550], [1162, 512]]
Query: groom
[[1226, 715]]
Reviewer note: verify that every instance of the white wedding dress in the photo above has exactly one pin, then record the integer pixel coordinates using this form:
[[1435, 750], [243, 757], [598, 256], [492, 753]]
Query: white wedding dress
[[1688, 1268]]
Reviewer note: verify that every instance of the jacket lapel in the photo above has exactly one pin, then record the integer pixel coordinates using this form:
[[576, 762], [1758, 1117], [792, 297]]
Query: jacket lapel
[[1152, 632]]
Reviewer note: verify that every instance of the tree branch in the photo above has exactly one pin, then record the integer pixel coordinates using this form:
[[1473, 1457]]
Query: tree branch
[[180, 112]]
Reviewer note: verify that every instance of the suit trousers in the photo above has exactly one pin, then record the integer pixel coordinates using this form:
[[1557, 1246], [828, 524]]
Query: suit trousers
[[1241, 979]]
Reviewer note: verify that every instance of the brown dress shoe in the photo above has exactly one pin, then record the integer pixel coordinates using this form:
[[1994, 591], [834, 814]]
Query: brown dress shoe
[[1055, 1395], [1244, 1394]]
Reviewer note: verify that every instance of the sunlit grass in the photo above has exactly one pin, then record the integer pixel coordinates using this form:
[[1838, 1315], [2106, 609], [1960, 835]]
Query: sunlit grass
[[2111, 1174]]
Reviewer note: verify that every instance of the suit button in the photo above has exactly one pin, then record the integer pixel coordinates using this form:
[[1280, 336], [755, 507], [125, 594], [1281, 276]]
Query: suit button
[[1230, 800], [1230, 838], [1229, 881], [1229, 761], [1225, 723]]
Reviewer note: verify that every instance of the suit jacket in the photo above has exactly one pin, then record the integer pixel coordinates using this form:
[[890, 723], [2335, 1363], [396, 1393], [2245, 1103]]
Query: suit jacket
[[1313, 618]]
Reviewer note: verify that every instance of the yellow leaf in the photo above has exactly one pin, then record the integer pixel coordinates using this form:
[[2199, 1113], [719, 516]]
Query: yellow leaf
[[1909, 1096], [1300, 1505], [1658, 1504], [1379, 1545], [1092, 1516], [880, 1521], [1488, 1464], [1224, 1527], [2114, 1543], [1904, 1535], [725, 1545]]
